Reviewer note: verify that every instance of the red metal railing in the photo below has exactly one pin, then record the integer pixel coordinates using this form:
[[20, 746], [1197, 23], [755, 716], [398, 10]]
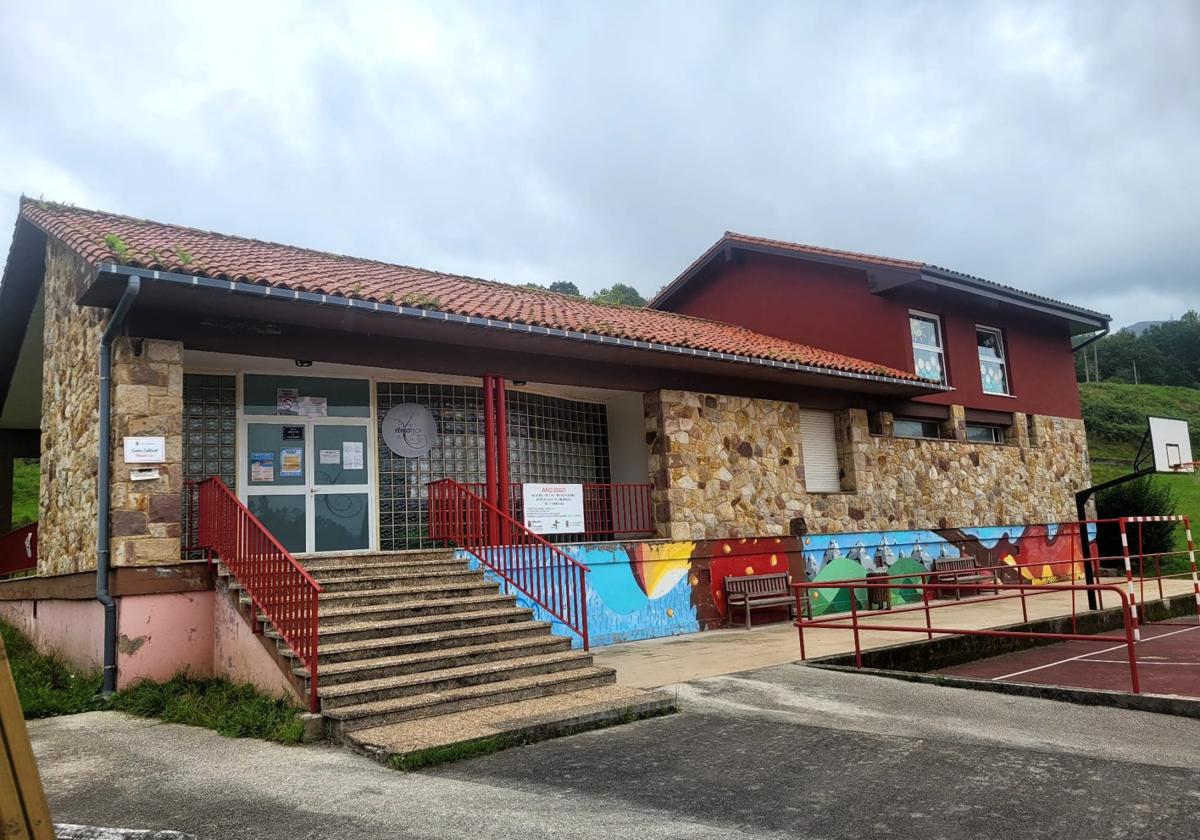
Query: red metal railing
[[610, 511], [552, 579], [853, 621], [18, 550], [278, 586]]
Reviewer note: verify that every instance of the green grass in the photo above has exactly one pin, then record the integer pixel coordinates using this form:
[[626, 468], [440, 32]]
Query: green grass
[[235, 711], [1116, 415], [46, 686], [25, 491]]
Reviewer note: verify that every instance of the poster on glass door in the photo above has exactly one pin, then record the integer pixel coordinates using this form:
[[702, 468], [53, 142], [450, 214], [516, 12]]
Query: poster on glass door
[[553, 508]]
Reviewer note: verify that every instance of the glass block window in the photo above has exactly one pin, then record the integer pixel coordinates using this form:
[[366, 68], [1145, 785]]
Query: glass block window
[[209, 433], [993, 369], [549, 439], [928, 355]]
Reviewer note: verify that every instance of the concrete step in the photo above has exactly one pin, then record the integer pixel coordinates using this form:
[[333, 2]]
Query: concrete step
[[449, 679], [335, 673], [432, 591], [334, 616], [351, 718], [419, 624], [390, 557], [417, 642], [383, 566], [416, 743], [402, 579]]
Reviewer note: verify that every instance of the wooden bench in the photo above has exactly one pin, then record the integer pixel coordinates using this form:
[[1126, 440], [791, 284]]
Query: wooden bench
[[752, 592], [961, 570]]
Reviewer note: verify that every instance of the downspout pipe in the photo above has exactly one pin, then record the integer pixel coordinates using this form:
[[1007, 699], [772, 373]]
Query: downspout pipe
[[116, 321]]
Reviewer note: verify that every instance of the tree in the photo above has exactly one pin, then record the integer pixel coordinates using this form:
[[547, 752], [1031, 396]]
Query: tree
[[565, 287], [619, 293], [1140, 497]]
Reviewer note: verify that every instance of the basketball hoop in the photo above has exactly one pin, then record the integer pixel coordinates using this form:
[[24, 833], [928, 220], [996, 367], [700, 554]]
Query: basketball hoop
[[1188, 467]]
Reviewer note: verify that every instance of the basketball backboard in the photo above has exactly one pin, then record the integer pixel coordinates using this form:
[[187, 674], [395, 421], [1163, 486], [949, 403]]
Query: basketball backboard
[[1171, 444]]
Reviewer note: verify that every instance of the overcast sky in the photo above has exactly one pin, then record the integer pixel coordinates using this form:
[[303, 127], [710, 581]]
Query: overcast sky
[[1054, 147]]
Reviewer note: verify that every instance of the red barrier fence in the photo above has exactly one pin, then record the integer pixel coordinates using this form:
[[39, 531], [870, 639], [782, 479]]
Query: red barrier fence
[[853, 622], [278, 586], [18, 550], [552, 579], [610, 511]]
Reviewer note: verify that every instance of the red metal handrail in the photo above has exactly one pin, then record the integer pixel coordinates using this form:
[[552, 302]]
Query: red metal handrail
[[278, 586], [1022, 591], [609, 510], [18, 550], [551, 578]]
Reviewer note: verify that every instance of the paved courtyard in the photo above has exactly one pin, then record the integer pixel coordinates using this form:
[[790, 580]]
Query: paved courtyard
[[786, 751]]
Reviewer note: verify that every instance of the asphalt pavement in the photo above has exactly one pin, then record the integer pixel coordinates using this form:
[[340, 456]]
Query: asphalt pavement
[[787, 751]]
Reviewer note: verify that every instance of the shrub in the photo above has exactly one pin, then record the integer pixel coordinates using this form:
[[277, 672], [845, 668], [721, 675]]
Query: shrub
[[1142, 497], [46, 686]]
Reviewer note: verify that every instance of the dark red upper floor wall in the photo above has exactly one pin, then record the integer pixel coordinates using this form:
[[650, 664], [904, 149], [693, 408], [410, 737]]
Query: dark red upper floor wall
[[831, 307]]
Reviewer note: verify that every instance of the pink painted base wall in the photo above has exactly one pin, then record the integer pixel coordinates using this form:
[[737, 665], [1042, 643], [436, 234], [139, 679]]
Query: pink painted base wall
[[241, 656], [71, 629], [159, 636]]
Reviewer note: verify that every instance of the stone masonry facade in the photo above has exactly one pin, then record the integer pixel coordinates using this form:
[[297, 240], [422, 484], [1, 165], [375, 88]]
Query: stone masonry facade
[[70, 399], [147, 400], [727, 466]]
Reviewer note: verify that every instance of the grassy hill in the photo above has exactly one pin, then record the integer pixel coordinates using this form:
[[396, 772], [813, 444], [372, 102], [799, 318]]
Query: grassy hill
[[25, 491], [1116, 420]]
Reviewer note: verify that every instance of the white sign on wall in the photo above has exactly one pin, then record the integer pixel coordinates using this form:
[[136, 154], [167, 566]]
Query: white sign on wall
[[145, 450], [553, 508]]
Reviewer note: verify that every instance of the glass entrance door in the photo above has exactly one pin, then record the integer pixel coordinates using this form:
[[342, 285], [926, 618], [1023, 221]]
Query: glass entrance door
[[308, 481]]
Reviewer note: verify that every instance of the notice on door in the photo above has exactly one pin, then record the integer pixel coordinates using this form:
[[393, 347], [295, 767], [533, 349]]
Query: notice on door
[[291, 463], [331, 456], [262, 467], [352, 455], [553, 508]]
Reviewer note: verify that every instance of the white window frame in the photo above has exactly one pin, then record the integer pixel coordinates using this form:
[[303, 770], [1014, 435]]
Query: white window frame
[[940, 350], [1002, 361]]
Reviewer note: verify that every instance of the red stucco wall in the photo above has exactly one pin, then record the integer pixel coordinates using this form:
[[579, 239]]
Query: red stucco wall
[[831, 307]]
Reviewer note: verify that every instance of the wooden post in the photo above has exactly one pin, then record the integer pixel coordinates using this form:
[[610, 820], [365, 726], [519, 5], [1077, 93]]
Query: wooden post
[[24, 814]]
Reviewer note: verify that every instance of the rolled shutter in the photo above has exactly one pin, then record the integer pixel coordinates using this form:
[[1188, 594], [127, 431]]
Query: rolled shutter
[[818, 434]]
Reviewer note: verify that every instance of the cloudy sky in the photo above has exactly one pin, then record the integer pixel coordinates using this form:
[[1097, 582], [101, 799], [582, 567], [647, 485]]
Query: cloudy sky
[[1055, 147]]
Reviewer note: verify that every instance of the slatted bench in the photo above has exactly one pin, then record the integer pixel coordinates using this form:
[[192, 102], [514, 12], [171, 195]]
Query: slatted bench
[[751, 592], [961, 570]]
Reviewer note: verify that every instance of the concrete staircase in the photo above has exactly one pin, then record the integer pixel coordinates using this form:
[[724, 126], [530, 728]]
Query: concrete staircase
[[412, 635]]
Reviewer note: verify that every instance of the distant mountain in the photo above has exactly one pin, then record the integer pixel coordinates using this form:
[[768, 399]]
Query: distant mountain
[[1141, 326]]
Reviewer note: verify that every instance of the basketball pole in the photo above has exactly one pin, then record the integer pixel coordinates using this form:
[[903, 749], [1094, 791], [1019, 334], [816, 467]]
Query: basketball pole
[[1085, 495]]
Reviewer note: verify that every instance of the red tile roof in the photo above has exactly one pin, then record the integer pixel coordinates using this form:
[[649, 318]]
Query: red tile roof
[[101, 237]]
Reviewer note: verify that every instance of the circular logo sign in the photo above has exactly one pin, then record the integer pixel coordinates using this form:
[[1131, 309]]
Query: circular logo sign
[[409, 430]]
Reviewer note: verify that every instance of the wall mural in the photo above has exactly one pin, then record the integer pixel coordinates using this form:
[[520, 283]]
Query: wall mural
[[642, 590]]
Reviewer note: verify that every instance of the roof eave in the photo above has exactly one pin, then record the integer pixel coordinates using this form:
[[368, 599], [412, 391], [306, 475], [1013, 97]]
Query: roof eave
[[434, 316], [1085, 318]]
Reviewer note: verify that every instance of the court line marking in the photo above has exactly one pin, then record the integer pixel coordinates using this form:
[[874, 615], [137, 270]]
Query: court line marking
[[1092, 653], [1142, 662]]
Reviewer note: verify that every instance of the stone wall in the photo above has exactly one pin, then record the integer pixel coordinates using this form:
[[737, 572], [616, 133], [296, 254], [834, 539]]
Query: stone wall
[[733, 466], [70, 404], [147, 401]]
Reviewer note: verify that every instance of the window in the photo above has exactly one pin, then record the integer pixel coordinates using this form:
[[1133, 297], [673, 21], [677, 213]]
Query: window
[[818, 437], [993, 370], [909, 428], [979, 433], [928, 357], [875, 422]]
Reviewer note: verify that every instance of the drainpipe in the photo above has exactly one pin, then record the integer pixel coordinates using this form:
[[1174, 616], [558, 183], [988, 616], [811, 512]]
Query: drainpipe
[[115, 321]]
